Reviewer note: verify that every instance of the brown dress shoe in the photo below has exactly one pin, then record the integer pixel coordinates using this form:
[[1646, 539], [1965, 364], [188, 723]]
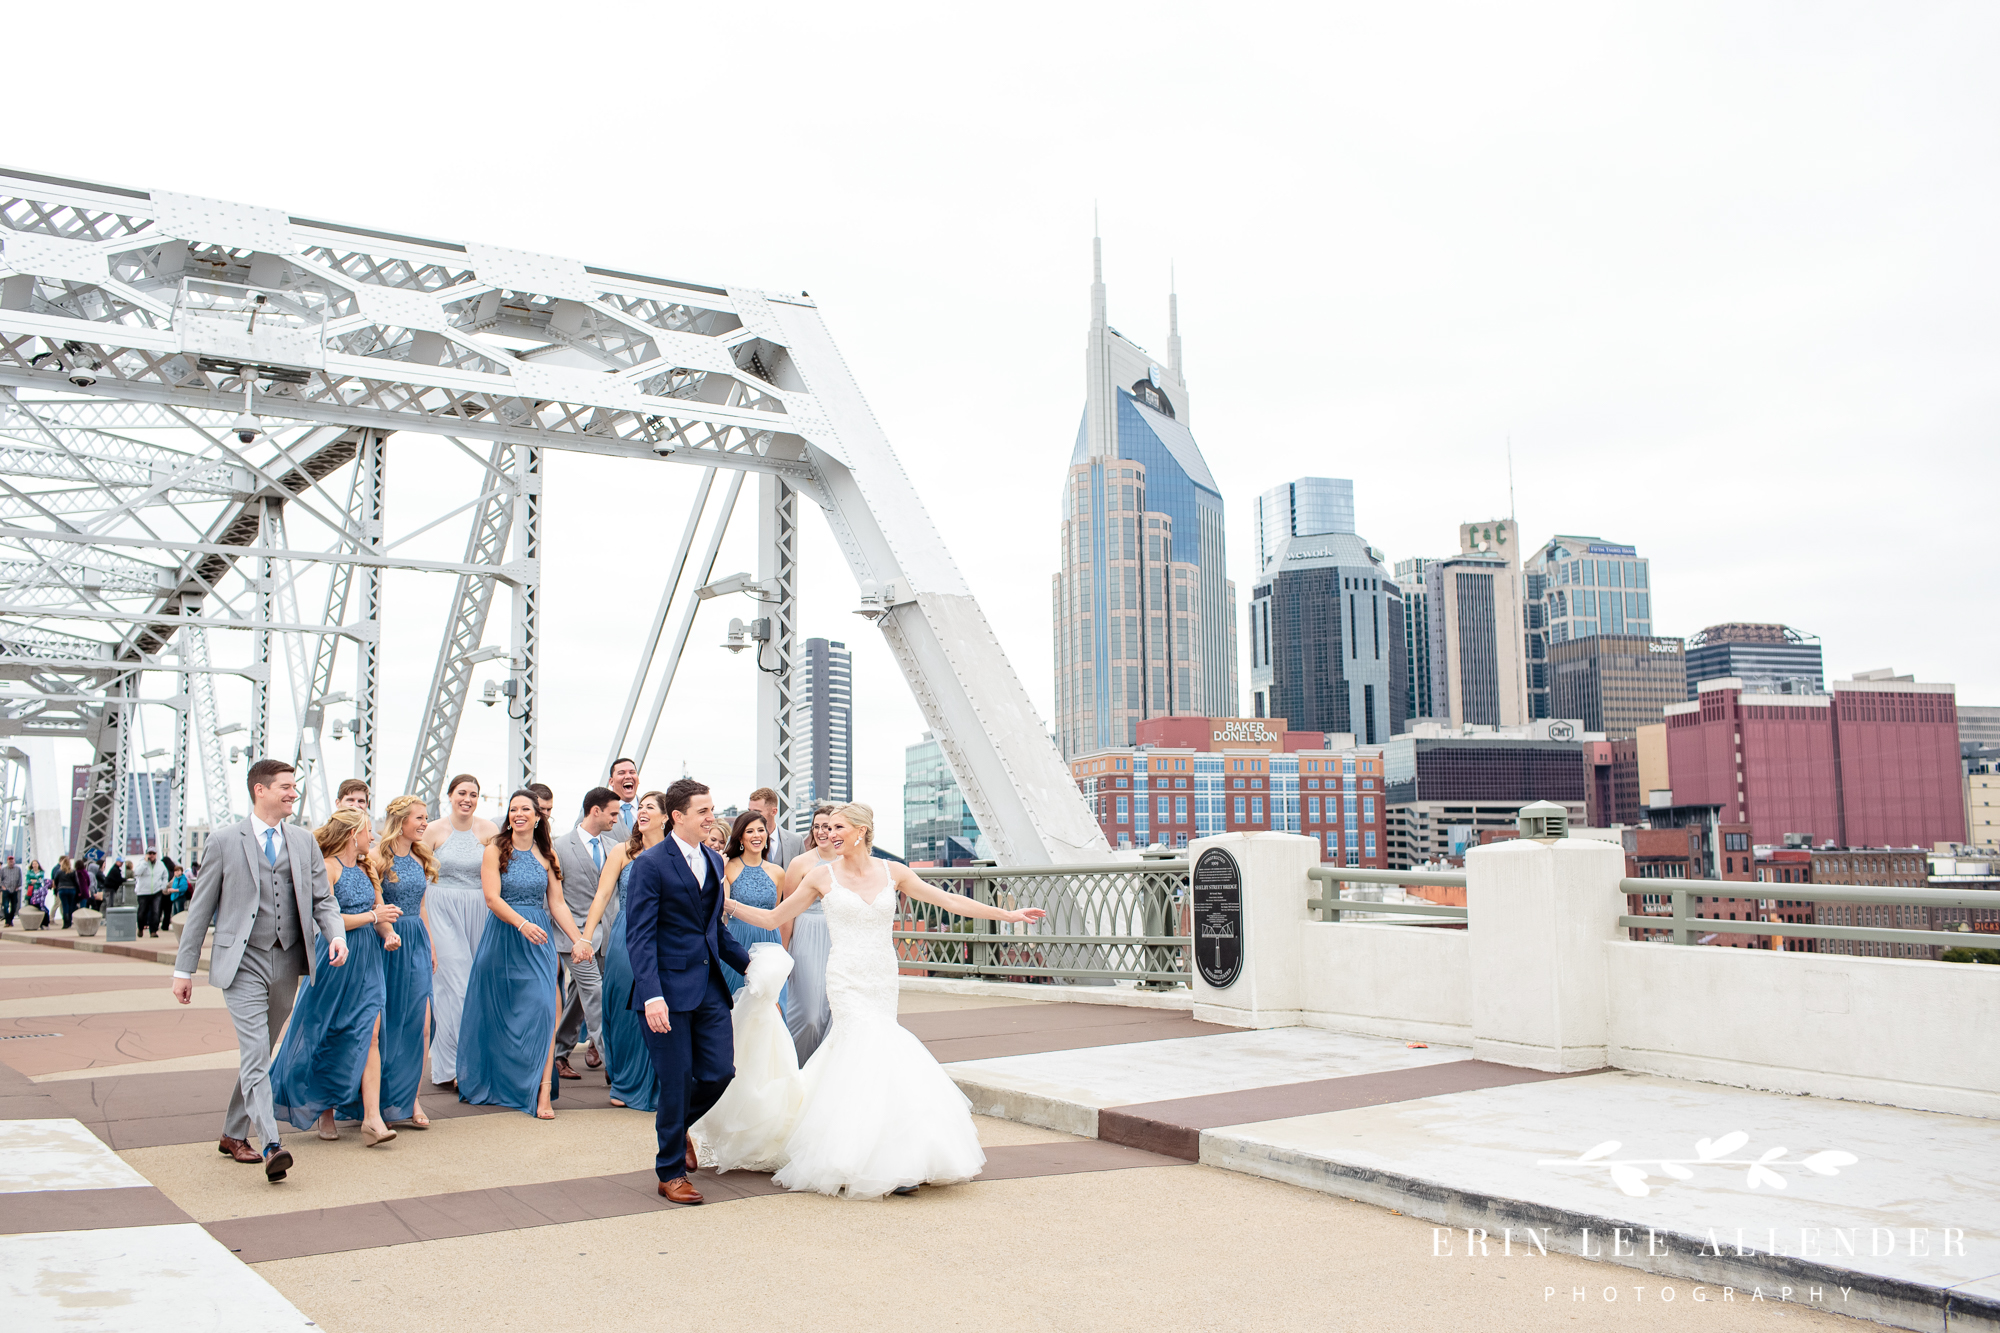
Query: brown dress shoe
[[592, 1058], [693, 1162], [678, 1190], [564, 1071], [239, 1150], [276, 1163]]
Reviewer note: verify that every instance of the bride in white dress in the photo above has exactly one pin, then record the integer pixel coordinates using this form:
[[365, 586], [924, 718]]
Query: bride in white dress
[[880, 1115]]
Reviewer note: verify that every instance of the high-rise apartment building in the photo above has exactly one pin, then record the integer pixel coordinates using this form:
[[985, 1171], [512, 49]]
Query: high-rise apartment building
[[1327, 648], [149, 811], [1576, 587], [938, 827], [1768, 659], [1145, 615], [1616, 683], [822, 728], [1478, 661]]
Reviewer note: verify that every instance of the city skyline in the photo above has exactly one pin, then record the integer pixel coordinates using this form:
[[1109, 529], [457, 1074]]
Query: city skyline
[[1698, 312]]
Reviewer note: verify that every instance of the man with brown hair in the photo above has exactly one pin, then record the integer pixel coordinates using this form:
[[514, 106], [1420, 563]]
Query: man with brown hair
[[785, 844], [263, 886], [353, 795]]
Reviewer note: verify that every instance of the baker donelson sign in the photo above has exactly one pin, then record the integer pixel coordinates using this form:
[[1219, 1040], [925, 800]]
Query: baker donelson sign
[[1218, 918]]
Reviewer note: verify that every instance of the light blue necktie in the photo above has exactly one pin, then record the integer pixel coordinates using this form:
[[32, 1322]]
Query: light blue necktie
[[271, 847], [626, 810], [597, 852]]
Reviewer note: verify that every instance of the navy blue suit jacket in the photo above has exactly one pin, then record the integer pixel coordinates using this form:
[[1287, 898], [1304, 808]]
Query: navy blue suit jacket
[[674, 930]]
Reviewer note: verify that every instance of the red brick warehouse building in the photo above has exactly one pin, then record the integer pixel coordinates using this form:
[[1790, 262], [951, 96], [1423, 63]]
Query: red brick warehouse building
[[1873, 764]]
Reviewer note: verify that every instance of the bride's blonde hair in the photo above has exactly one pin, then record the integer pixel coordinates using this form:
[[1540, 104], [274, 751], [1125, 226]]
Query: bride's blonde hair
[[861, 817]]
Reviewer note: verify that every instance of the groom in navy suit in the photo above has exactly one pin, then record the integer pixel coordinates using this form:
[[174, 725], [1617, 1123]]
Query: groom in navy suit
[[678, 943]]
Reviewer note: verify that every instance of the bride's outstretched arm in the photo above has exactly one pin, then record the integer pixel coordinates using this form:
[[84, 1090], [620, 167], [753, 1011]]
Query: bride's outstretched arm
[[772, 918], [907, 880]]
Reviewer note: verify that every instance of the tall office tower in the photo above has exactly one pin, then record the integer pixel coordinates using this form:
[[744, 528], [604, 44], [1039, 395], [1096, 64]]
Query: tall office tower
[[1577, 587], [1768, 659], [822, 728], [1144, 612], [1478, 664], [1303, 508], [1327, 648], [1419, 696]]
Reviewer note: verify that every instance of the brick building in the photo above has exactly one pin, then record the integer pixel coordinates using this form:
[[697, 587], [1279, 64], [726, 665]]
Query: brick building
[[1196, 777], [1875, 763]]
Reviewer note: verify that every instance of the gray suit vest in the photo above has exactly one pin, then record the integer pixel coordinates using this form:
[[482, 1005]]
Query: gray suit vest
[[277, 922]]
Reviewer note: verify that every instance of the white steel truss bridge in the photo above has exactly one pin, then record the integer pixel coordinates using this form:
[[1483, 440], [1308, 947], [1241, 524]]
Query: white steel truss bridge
[[200, 399]]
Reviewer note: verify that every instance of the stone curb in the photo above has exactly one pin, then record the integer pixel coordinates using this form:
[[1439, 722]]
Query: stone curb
[[1021, 990], [141, 952]]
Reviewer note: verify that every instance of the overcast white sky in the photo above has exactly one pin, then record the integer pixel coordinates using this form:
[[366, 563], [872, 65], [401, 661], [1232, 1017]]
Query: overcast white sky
[[1724, 274]]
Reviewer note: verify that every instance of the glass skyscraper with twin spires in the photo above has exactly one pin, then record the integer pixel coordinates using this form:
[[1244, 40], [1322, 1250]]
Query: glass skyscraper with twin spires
[[1145, 616]]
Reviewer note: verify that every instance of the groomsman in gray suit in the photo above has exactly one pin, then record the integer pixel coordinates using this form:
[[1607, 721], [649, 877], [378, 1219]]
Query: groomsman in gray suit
[[785, 844], [581, 853], [263, 886], [624, 780]]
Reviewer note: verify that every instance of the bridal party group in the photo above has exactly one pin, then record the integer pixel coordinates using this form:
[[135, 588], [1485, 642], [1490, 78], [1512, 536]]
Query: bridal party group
[[359, 957]]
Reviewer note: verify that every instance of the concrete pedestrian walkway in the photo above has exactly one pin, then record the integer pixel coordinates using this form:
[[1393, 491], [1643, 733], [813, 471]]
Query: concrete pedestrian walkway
[[118, 1213]]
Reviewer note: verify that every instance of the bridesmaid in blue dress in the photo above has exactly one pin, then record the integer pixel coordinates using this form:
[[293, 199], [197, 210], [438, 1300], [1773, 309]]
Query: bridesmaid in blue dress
[[406, 867], [507, 1036], [331, 1055], [627, 1066], [748, 881]]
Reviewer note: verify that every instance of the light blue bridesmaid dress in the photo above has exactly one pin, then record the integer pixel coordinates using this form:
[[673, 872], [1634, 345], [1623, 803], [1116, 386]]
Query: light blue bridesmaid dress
[[458, 923], [627, 1066], [407, 976], [754, 887], [333, 1025], [510, 999]]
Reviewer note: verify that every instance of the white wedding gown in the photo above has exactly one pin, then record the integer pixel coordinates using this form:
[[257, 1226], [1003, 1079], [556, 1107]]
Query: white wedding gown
[[879, 1113], [747, 1127]]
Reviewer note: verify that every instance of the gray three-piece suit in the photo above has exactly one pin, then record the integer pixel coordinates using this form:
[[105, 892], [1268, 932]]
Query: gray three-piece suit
[[585, 980], [263, 947]]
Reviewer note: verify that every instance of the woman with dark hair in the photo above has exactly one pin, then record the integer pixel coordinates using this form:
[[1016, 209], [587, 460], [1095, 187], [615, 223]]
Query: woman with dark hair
[[458, 915], [627, 1066], [747, 878], [507, 1046], [64, 885]]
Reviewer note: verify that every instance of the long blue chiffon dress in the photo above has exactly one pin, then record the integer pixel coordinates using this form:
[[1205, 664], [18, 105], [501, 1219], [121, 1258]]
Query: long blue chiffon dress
[[333, 1025], [754, 887], [510, 999], [458, 923], [406, 973], [627, 1066]]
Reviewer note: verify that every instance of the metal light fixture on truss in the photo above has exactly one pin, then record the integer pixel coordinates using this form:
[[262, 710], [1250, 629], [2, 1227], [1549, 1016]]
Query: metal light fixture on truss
[[139, 328]]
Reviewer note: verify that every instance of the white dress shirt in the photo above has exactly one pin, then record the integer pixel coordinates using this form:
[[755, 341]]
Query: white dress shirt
[[697, 865]]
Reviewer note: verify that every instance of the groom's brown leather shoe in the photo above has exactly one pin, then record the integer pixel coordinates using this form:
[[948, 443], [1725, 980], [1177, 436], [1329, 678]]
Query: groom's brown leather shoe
[[693, 1162], [564, 1071], [678, 1190], [239, 1150]]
